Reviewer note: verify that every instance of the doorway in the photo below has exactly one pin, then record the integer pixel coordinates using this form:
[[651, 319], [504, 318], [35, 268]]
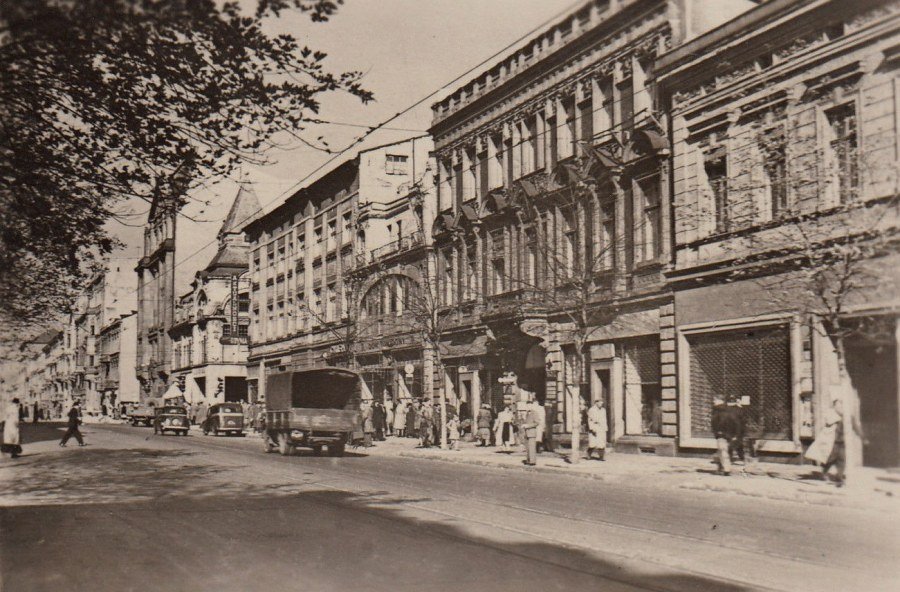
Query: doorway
[[872, 366]]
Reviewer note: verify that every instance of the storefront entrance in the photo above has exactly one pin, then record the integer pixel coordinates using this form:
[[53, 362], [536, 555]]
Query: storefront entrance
[[872, 366]]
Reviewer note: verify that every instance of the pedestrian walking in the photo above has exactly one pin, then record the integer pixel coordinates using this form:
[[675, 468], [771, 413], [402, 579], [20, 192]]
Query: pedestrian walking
[[725, 428], [412, 420], [36, 413], [597, 429], [426, 424], [736, 444], [453, 432], [388, 416], [504, 428], [378, 418], [829, 447], [400, 419], [12, 439], [368, 424], [483, 428], [74, 422], [540, 419]]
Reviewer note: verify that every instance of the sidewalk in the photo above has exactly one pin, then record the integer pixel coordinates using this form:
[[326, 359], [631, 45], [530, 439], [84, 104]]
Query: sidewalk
[[867, 489]]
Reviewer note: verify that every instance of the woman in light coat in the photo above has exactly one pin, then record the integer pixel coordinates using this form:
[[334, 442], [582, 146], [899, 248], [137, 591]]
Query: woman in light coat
[[11, 436], [597, 428], [400, 419], [504, 428]]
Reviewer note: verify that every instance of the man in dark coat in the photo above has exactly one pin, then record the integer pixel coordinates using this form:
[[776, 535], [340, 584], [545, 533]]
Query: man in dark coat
[[378, 417], [74, 421]]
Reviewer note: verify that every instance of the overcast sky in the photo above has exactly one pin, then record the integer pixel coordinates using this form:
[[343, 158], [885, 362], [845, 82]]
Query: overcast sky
[[406, 48]]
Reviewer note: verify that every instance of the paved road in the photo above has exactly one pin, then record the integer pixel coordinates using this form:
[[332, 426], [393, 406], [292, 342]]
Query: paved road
[[133, 511]]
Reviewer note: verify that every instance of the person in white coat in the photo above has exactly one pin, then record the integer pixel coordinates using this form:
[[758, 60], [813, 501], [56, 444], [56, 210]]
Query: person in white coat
[[11, 436], [597, 427], [504, 428]]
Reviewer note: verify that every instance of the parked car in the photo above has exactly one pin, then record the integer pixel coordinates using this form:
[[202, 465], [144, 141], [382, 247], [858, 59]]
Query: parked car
[[171, 418], [314, 409], [224, 418]]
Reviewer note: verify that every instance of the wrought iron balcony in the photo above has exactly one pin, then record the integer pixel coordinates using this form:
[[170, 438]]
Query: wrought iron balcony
[[404, 243]]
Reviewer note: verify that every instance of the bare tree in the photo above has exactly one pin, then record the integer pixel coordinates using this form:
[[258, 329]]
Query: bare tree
[[571, 256], [812, 222]]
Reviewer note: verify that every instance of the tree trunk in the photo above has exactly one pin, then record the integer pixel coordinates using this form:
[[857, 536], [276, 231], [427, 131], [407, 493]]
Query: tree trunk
[[575, 456], [442, 394]]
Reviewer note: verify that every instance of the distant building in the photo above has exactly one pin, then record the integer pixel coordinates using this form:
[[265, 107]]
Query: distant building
[[156, 292], [302, 254], [210, 331], [117, 379]]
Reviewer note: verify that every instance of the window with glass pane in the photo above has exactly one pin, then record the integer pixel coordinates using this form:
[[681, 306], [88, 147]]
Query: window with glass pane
[[649, 231], [396, 164], [842, 142], [717, 179]]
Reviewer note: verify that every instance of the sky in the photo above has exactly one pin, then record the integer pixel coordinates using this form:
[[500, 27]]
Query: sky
[[406, 49]]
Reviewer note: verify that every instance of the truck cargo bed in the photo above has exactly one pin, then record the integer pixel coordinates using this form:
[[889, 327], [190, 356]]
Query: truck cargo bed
[[317, 420]]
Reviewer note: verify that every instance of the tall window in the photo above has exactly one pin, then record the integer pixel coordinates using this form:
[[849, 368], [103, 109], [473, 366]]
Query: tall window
[[484, 179], [586, 112], [553, 135], [607, 234], [717, 178], [842, 143], [471, 273], [569, 130], [396, 164], [458, 188], [648, 231], [569, 242], [498, 262], [447, 292], [626, 107], [775, 169]]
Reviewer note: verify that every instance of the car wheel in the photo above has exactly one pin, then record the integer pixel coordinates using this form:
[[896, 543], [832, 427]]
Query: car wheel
[[205, 432], [215, 430], [336, 450], [317, 451], [285, 448]]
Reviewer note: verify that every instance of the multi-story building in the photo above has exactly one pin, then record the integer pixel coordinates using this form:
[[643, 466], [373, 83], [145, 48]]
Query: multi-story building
[[553, 229], [117, 379], [302, 253], [785, 127], [109, 295], [210, 331], [156, 294]]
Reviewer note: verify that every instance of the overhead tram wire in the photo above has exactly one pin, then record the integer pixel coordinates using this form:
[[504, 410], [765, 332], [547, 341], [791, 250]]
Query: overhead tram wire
[[384, 123]]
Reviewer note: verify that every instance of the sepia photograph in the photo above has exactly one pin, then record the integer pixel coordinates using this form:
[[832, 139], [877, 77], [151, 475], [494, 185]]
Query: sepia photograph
[[449, 295]]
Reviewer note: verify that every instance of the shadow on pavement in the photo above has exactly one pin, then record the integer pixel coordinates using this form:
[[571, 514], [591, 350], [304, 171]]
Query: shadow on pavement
[[149, 519]]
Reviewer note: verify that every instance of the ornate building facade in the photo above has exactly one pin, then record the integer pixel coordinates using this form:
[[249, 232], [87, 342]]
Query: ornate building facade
[[553, 231], [210, 333], [786, 142]]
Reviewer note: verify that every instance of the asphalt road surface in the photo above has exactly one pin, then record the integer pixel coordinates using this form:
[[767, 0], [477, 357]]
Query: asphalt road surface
[[134, 511]]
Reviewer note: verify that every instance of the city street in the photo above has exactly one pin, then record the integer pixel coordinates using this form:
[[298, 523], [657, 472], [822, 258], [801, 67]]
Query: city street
[[134, 511]]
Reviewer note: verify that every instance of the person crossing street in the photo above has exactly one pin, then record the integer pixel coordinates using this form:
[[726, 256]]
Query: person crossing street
[[74, 422]]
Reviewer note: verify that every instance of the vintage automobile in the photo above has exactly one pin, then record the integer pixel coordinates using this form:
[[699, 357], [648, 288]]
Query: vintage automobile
[[224, 418], [315, 409], [142, 415], [171, 418]]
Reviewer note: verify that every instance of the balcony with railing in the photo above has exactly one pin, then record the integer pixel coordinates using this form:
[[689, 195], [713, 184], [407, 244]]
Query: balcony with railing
[[395, 247]]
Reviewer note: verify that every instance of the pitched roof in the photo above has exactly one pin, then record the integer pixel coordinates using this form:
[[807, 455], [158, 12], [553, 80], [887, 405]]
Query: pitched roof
[[229, 259], [243, 210]]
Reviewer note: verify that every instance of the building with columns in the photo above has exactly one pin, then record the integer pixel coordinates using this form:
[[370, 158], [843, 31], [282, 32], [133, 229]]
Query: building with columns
[[553, 232]]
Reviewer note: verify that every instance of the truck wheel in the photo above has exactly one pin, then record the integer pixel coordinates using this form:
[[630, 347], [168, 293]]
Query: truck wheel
[[284, 446], [269, 447], [336, 450], [317, 451], [215, 431]]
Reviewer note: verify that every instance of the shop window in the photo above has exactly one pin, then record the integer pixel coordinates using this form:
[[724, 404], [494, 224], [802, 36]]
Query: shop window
[[751, 363], [643, 407]]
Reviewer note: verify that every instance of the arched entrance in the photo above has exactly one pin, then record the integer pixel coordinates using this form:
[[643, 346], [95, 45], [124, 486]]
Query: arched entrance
[[534, 372]]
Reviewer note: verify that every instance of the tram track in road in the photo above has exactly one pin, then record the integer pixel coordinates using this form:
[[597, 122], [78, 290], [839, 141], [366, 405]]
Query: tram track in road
[[412, 488]]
